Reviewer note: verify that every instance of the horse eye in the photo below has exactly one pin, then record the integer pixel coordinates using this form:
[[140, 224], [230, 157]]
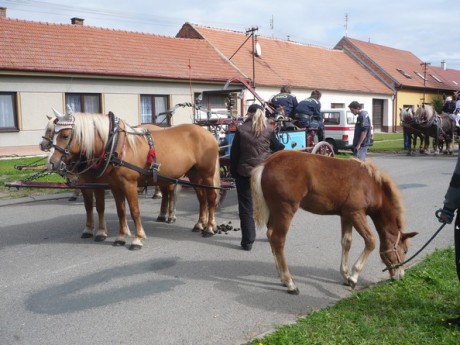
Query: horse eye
[[65, 136]]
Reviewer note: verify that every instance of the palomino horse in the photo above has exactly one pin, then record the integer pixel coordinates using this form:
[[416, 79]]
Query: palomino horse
[[124, 156], [167, 209], [353, 190], [440, 127], [407, 118]]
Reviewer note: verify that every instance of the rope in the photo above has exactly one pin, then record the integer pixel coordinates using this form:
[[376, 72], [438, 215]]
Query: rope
[[418, 252]]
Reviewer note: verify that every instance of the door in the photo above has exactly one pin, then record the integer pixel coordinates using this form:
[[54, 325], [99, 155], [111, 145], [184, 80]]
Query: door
[[377, 114]]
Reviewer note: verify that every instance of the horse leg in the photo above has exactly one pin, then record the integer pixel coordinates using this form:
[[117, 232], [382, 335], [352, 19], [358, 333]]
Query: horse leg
[[164, 204], [130, 190], [277, 230], [121, 212], [101, 234], [173, 191], [360, 223], [89, 226], [347, 228]]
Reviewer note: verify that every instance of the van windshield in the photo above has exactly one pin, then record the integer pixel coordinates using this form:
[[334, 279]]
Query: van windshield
[[351, 119]]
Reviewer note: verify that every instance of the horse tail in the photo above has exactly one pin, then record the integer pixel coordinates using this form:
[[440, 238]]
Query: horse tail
[[261, 211], [216, 179]]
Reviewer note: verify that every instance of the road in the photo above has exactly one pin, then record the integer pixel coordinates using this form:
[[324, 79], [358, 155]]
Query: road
[[56, 288]]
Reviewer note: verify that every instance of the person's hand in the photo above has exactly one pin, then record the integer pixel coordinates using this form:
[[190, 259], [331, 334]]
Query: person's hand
[[445, 215]]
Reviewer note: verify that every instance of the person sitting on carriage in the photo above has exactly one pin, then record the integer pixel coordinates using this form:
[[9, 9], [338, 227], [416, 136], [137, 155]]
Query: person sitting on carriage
[[449, 106], [309, 111], [284, 102]]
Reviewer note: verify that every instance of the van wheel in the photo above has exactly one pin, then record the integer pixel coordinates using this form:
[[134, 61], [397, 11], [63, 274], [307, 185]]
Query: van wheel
[[333, 144]]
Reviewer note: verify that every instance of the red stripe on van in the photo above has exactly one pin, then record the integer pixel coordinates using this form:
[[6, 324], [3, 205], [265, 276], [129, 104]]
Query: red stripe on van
[[334, 128]]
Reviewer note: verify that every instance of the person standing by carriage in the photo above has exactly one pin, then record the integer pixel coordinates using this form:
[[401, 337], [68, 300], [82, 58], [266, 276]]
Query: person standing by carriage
[[310, 109], [253, 142], [362, 134], [285, 101], [446, 215]]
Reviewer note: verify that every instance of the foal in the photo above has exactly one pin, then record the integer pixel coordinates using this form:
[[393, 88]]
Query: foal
[[353, 191]]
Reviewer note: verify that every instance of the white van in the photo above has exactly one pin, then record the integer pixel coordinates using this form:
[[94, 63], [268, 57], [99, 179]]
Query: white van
[[339, 128]]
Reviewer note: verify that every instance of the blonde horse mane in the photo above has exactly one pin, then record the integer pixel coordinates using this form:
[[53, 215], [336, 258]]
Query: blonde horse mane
[[89, 127], [389, 188]]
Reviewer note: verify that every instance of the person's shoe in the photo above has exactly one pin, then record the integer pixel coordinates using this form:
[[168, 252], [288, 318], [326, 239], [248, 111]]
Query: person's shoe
[[454, 321], [247, 247]]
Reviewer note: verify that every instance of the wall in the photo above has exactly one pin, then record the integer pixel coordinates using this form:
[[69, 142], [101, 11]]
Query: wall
[[38, 95]]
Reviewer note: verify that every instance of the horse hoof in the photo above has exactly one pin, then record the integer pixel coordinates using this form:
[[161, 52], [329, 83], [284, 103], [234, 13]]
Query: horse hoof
[[86, 235], [119, 243], [161, 219], [100, 238], [196, 229], [171, 220], [207, 234], [351, 284], [294, 292], [135, 247]]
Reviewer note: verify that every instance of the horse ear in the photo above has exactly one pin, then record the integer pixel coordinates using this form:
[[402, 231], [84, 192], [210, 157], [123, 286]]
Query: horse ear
[[69, 110], [407, 235], [57, 114], [49, 117]]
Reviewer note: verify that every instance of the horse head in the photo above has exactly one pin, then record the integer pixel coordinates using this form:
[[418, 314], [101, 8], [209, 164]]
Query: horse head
[[395, 252], [61, 149], [47, 138]]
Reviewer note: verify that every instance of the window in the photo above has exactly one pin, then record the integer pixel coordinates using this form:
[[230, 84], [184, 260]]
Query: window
[[407, 75], [436, 78], [337, 105], [421, 76], [8, 112], [84, 102], [151, 108], [331, 118]]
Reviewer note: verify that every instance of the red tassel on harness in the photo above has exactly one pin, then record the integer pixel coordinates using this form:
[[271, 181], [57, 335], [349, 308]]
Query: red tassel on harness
[[151, 156]]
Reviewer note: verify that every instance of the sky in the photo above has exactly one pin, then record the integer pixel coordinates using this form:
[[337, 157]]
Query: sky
[[427, 28]]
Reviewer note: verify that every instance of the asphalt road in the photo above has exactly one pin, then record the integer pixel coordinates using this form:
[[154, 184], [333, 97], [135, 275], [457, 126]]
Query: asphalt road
[[56, 288]]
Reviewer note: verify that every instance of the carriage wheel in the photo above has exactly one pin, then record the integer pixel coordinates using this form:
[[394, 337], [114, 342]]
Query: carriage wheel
[[323, 148]]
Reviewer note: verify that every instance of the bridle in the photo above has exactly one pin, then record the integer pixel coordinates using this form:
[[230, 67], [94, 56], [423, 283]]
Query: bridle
[[62, 169], [392, 250]]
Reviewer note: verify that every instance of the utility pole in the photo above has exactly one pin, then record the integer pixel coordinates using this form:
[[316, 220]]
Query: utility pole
[[424, 64], [251, 32]]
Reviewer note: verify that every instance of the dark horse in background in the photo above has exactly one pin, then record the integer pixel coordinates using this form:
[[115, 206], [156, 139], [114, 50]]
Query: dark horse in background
[[409, 123], [440, 127]]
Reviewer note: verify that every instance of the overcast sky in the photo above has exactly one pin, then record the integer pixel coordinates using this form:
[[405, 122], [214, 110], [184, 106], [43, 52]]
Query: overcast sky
[[427, 28]]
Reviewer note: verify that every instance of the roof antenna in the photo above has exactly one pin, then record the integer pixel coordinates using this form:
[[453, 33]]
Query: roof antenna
[[346, 25]]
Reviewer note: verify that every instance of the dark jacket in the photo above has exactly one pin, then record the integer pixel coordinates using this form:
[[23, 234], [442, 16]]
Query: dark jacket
[[363, 124], [309, 106], [247, 151], [285, 100]]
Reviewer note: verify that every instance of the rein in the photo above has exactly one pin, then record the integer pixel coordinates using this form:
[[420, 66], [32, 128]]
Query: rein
[[418, 252]]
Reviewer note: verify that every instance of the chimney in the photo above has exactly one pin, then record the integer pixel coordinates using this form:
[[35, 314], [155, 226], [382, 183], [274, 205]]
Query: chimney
[[2, 12], [77, 21], [443, 65]]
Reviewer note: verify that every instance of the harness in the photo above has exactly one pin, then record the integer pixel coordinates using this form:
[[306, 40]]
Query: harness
[[110, 156]]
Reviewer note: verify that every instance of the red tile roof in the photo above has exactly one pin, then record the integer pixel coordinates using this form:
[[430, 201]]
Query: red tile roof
[[287, 62], [451, 76], [56, 48], [396, 62]]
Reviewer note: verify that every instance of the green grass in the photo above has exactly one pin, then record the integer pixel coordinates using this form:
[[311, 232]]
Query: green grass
[[9, 172], [388, 142], [410, 311]]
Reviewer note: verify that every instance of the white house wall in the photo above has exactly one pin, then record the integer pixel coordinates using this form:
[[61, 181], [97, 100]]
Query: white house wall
[[38, 95]]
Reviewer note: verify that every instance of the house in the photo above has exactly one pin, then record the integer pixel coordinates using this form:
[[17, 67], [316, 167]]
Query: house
[[411, 80], [135, 75], [271, 62]]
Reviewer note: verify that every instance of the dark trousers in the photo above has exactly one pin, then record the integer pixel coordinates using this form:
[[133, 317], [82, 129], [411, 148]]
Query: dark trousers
[[248, 228], [457, 244]]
